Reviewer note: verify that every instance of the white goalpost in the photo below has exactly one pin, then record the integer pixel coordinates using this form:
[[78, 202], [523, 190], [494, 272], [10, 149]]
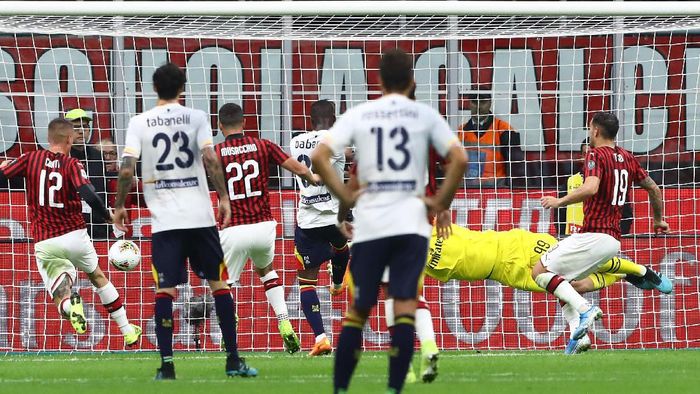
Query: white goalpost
[[546, 67]]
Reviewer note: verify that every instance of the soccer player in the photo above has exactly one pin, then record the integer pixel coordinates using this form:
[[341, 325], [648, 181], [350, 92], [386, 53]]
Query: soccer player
[[317, 239], [392, 135], [608, 173], [508, 258], [175, 145], [56, 183], [246, 161]]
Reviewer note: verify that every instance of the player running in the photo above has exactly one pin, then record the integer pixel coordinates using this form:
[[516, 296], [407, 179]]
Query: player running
[[56, 183], [508, 257], [317, 239], [175, 144], [608, 173], [246, 161], [392, 135]]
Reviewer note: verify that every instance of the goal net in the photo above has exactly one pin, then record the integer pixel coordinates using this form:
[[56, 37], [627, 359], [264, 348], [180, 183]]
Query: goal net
[[542, 75]]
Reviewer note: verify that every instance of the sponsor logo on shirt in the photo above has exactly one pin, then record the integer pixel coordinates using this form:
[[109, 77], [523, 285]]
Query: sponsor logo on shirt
[[315, 199], [391, 186], [177, 183]]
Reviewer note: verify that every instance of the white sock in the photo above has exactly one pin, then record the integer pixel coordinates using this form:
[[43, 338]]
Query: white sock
[[275, 295], [64, 307], [321, 337], [564, 291], [424, 325], [109, 295], [389, 310], [570, 315]]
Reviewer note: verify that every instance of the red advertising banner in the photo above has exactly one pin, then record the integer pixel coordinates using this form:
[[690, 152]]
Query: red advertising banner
[[482, 315]]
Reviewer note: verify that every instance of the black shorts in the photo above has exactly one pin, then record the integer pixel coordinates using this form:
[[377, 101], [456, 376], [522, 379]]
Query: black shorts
[[405, 255], [316, 245], [171, 248]]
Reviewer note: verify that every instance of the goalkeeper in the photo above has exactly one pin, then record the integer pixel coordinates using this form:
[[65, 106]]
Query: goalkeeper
[[508, 257]]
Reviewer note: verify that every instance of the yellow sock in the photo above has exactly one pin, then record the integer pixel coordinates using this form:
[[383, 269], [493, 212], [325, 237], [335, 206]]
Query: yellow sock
[[601, 280], [617, 265]]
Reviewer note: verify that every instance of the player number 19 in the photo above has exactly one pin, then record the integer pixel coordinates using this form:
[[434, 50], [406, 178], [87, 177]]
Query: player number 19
[[621, 186]]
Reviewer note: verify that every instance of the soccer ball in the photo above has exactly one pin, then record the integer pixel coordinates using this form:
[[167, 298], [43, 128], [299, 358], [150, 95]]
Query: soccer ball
[[124, 255]]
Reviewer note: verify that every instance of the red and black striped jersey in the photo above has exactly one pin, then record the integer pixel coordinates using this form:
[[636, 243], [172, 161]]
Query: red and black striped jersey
[[617, 169], [52, 181], [246, 162]]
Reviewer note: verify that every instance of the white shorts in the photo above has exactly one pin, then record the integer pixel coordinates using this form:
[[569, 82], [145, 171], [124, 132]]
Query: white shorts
[[61, 255], [580, 254], [255, 241]]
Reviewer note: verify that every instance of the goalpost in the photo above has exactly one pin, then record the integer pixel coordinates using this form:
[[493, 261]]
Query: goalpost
[[547, 66]]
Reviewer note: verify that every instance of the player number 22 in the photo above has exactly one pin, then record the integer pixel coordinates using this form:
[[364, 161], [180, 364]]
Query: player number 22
[[52, 189], [399, 133], [621, 186], [251, 170]]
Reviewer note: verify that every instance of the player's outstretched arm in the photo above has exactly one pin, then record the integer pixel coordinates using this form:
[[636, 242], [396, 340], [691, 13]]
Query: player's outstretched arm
[[300, 169], [657, 204], [320, 161], [216, 174], [454, 172], [586, 191], [87, 193], [126, 177]]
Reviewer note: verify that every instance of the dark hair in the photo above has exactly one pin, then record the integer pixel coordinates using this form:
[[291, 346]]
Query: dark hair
[[59, 130], [322, 110], [231, 115], [608, 122], [396, 70], [169, 80], [412, 93]]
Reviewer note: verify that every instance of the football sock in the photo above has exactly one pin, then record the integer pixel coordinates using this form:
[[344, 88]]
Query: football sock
[[604, 280], [223, 302], [563, 290], [424, 322], [617, 265], [401, 351], [570, 315], [348, 352], [311, 305], [164, 326], [113, 304], [64, 307], [339, 261], [275, 294]]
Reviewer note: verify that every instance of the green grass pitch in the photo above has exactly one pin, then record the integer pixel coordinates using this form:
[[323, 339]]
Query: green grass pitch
[[633, 371]]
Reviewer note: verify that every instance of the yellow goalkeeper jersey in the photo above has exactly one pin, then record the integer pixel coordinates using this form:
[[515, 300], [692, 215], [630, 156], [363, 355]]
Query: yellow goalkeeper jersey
[[574, 212], [504, 256]]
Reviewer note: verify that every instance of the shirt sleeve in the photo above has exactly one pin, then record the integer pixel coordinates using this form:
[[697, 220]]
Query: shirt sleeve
[[205, 137], [340, 135], [132, 143], [593, 165], [77, 174], [277, 155], [17, 167], [640, 173], [441, 136]]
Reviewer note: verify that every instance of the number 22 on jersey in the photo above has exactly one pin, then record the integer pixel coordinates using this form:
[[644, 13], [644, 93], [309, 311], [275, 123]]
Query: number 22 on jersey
[[247, 171]]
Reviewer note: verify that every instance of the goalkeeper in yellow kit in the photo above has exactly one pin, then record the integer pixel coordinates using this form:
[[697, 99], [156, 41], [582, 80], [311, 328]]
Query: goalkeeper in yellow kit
[[508, 257]]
